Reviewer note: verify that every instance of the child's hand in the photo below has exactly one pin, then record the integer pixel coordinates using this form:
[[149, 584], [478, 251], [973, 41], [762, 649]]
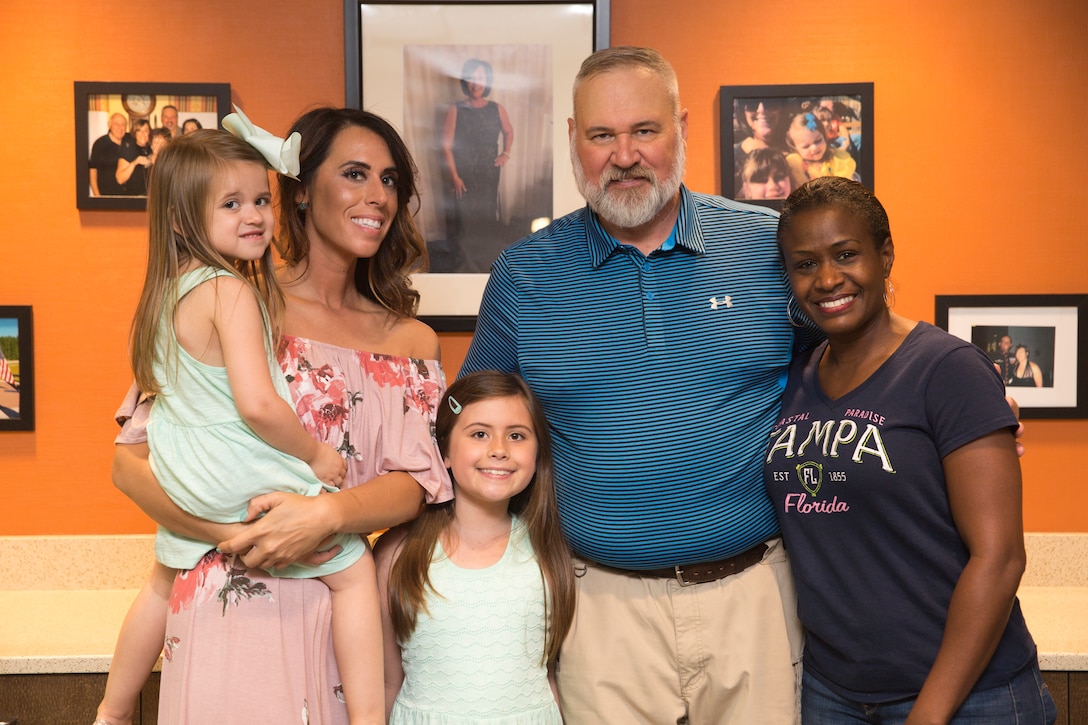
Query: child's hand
[[328, 465]]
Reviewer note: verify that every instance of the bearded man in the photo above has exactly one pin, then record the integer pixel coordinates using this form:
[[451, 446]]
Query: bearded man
[[170, 120], [652, 325]]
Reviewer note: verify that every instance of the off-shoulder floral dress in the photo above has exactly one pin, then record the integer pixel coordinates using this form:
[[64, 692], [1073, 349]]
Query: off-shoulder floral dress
[[242, 646]]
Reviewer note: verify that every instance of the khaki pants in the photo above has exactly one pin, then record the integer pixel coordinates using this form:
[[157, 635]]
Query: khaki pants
[[648, 650]]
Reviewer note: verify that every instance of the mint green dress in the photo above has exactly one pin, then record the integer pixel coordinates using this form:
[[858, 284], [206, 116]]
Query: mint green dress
[[208, 460], [474, 656]]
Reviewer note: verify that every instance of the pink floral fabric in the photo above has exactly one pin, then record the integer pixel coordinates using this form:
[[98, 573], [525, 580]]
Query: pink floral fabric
[[242, 646], [378, 410]]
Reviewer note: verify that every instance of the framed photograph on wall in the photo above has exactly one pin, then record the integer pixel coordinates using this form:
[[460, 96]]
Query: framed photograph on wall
[[481, 93], [121, 126], [775, 138], [1038, 344], [16, 368]]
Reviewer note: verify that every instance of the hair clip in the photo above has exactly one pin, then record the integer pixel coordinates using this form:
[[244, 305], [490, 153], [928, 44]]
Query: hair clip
[[454, 405], [810, 122], [281, 155]]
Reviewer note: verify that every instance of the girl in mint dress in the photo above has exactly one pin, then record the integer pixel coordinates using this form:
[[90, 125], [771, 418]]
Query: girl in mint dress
[[478, 593], [223, 429]]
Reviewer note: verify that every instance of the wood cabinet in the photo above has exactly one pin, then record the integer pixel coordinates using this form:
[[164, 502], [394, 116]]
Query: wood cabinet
[[71, 699], [67, 699], [1070, 693]]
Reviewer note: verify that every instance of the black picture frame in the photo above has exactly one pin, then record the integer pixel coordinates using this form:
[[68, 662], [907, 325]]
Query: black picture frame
[[97, 102], [1053, 329], [845, 109], [16, 368], [534, 49]]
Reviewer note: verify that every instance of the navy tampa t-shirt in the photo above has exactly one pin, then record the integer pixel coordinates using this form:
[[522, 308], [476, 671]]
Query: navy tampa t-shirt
[[860, 494]]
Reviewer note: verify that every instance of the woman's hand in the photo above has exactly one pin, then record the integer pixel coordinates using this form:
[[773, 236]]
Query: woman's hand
[[459, 187], [125, 168], [288, 528], [285, 528]]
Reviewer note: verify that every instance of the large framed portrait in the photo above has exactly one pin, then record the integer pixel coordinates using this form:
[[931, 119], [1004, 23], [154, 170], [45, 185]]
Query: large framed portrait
[[1036, 342], [16, 367], [775, 138], [120, 128], [481, 93]]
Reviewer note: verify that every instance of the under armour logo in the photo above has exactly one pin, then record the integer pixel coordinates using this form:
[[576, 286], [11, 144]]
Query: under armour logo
[[725, 300]]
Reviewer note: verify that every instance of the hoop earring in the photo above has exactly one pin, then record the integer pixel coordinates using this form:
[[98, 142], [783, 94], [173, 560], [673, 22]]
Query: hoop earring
[[889, 290], [789, 312]]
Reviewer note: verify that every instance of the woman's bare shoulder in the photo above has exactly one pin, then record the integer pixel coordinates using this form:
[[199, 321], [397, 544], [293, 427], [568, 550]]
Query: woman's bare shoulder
[[416, 339]]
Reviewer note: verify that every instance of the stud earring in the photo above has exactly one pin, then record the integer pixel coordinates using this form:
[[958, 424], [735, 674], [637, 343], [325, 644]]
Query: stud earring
[[303, 206]]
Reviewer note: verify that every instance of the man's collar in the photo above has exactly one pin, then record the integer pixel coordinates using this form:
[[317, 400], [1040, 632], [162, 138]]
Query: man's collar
[[685, 234]]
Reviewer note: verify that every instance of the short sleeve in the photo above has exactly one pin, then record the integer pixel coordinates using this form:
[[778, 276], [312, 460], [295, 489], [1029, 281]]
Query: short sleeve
[[965, 399], [417, 453]]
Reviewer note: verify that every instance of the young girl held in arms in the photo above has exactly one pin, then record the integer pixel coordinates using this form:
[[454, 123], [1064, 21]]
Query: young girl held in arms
[[222, 429], [478, 593], [811, 155]]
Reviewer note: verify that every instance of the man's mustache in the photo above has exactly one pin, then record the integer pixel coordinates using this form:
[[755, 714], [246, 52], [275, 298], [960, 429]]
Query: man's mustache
[[629, 174]]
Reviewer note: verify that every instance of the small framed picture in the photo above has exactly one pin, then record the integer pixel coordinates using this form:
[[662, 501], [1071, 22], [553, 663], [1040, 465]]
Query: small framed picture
[[120, 128], [1036, 342], [16, 368], [775, 138]]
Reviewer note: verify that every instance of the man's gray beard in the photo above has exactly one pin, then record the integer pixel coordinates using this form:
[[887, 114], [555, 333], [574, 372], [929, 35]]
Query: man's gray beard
[[630, 208]]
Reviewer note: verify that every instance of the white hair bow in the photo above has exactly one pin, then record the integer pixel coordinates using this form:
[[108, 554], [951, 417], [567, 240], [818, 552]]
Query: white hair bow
[[281, 155]]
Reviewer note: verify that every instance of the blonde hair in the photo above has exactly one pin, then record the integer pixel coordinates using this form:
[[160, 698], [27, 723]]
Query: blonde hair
[[179, 208], [810, 122]]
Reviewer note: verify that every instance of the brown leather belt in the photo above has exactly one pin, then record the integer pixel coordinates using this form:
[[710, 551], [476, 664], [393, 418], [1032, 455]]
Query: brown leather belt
[[688, 574]]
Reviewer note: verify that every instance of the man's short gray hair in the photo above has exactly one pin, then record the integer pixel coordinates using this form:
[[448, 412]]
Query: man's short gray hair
[[625, 57]]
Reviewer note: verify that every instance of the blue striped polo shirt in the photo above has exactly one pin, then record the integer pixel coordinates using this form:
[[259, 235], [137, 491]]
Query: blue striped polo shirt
[[661, 376]]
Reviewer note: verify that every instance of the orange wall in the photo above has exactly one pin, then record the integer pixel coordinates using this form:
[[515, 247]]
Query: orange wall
[[977, 105]]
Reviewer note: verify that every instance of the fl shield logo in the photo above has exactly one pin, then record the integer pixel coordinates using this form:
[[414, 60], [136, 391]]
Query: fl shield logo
[[811, 476]]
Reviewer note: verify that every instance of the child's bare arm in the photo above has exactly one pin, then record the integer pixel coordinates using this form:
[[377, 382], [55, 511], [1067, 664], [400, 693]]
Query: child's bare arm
[[238, 322]]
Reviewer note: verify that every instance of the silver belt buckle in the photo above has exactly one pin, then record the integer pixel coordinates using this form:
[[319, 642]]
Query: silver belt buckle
[[680, 577]]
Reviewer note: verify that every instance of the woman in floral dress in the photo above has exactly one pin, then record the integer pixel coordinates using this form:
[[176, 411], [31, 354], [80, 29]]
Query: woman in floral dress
[[242, 646]]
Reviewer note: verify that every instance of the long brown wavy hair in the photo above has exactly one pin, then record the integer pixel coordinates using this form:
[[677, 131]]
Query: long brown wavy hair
[[179, 199], [409, 577], [382, 278]]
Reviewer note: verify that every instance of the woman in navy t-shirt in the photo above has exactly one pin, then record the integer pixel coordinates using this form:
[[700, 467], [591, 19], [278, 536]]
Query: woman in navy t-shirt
[[895, 479]]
